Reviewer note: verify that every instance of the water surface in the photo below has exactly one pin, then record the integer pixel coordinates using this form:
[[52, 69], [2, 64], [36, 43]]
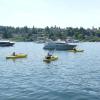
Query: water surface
[[74, 76]]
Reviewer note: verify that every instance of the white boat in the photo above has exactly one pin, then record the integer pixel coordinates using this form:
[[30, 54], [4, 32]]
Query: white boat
[[4, 43], [58, 45]]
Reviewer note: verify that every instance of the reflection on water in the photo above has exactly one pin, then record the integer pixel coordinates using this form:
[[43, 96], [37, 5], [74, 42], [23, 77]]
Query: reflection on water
[[74, 76]]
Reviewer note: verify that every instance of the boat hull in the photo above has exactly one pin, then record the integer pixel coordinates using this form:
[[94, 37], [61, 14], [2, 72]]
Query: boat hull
[[17, 56], [59, 46], [6, 44]]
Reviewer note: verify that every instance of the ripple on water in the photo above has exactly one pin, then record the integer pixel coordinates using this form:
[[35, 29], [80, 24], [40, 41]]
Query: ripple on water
[[74, 76]]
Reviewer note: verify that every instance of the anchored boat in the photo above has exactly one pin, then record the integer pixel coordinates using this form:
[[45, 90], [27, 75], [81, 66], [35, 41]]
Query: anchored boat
[[6, 43], [55, 45]]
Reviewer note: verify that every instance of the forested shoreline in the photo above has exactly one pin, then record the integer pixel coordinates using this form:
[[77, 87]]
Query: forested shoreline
[[33, 34]]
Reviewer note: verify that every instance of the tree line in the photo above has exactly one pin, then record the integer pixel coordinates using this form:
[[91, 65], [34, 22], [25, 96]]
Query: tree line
[[54, 33]]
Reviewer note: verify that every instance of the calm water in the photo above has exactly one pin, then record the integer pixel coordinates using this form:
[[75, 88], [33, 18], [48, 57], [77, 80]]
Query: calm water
[[74, 76]]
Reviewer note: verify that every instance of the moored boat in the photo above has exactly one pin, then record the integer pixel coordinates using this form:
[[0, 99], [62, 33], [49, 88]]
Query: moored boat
[[55, 45], [6, 43]]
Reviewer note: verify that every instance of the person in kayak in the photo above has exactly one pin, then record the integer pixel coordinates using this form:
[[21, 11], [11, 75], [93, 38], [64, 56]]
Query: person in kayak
[[13, 54], [49, 55], [74, 49]]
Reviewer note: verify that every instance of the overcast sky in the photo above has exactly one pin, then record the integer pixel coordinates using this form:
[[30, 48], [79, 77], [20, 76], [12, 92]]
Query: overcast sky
[[42, 13]]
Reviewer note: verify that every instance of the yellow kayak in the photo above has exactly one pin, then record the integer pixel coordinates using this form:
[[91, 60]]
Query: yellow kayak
[[53, 58], [76, 50], [17, 56]]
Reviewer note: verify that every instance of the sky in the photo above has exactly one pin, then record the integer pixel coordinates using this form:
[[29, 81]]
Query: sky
[[42, 13]]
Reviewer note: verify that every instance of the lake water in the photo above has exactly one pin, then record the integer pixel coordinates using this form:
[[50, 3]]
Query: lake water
[[74, 76]]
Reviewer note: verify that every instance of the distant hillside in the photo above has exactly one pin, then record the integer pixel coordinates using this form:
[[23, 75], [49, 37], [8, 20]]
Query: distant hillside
[[32, 34]]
